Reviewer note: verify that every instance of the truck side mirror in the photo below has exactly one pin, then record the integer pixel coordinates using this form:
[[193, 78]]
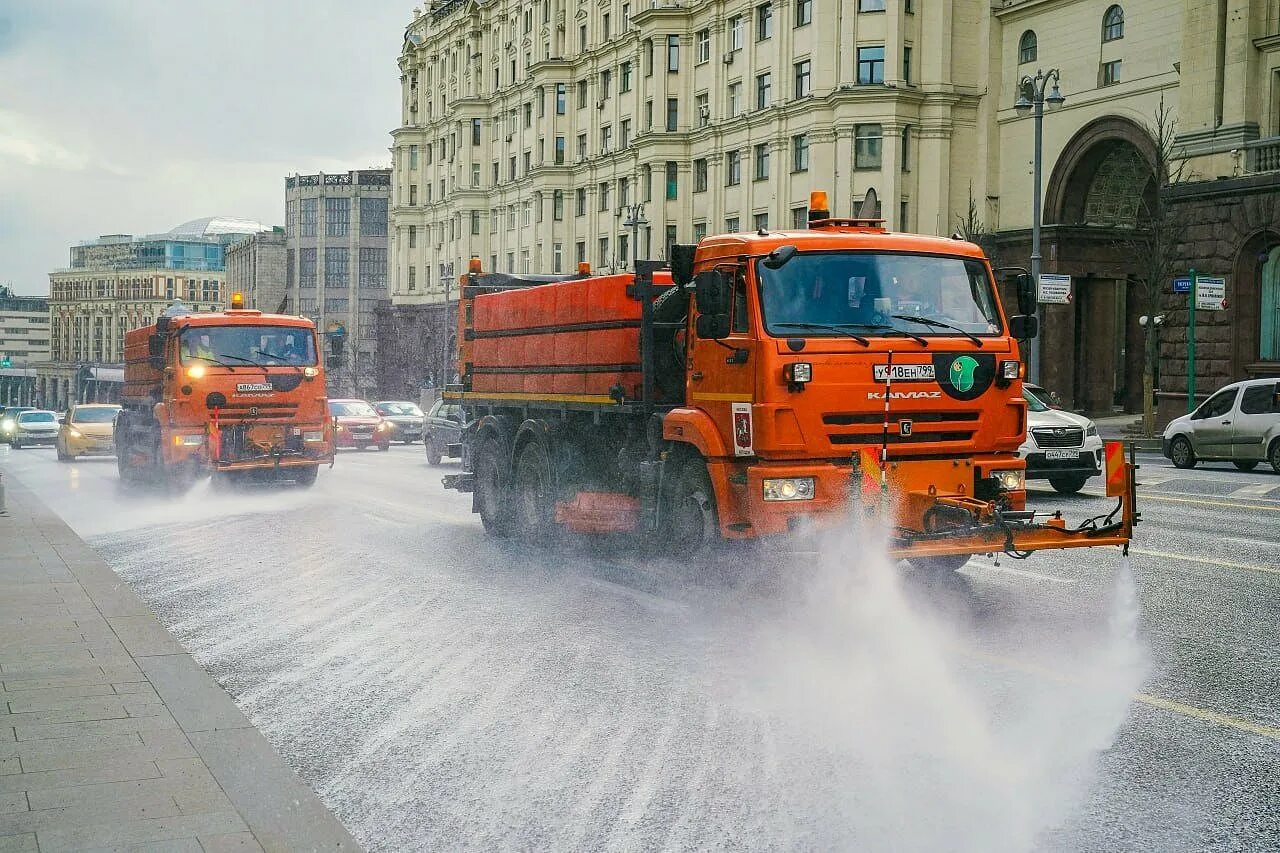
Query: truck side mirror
[[155, 352], [1027, 301], [1024, 327], [712, 292], [682, 263]]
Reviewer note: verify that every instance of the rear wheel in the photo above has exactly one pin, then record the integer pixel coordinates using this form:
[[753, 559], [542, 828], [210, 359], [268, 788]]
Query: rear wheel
[[433, 452], [1181, 453], [1245, 464], [1068, 485], [535, 493], [492, 498], [941, 564], [306, 476], [1273, 456], [692, 522]]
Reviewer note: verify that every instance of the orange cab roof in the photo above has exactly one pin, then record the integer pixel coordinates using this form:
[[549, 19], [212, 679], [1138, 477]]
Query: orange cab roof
[[841, 237], [238, 318]]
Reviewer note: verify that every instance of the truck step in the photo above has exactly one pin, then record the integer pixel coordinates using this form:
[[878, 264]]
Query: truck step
[[460, 482]]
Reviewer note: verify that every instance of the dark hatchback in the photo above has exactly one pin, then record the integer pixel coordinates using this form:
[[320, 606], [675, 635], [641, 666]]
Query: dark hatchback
[[405, 419], [443, 427]]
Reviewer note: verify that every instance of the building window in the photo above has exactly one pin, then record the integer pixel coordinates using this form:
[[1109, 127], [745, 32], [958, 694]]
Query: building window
[[764, 21], [582, 146], [559, 155], [1027, 47], [671, 238], [800, 153], [762, 161], [703, 104], [557, 205], [906, 148], [733, 168], [906, 63], [475, 131], [606, 83], [604, 252], [605, 26], [557, 258], [603, 192], [413, 277], [804, 12], [870, 5], [626, 17], [868, 142], [582, 37], [475, 223], [702, 49], [373, 217], [903, 210], [580, 201], [624, 134], [475, 174], [673, 180], [732, 224], [646, 181], [606, 138], [307, 224], [871, 65], [413, 156], [760, 222], [413, 199], [648, 57], [1113, 24], [736, 27], [560, 99], [624, 77], [700, 175], [413, 236], [735, 99], [337, 217], [673, 114], [803, 78], [699, 231], [764, 84], [1110, 73]]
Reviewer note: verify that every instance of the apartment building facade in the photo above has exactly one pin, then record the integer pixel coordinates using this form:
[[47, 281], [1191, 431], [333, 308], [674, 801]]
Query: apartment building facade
[[24, 342], [336, 263]]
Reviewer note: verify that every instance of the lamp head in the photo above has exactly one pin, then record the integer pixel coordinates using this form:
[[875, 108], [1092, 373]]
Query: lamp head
[[1055, 98], [1023, 105]]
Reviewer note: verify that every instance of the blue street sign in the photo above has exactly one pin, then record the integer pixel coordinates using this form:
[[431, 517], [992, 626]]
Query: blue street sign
[[1182, 284]]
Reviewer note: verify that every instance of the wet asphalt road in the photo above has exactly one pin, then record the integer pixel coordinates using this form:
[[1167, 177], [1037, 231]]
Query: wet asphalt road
[[445, 691]]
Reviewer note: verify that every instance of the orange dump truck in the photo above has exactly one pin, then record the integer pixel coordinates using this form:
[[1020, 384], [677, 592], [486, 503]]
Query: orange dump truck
[[226, 392], [765, 383]]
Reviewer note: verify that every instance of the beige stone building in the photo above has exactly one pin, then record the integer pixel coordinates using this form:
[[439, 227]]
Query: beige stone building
[[24, 342], [256, 268], [530, 128]]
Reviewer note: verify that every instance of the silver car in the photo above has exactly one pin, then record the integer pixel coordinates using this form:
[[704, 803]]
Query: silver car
[[1239, 424], [35, 427]]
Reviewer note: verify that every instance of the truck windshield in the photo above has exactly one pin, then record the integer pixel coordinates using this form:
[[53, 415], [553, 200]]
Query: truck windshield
[[235, 345], [900, 292]]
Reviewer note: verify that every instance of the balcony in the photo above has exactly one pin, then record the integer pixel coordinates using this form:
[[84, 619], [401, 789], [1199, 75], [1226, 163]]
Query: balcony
[[1262, 155]]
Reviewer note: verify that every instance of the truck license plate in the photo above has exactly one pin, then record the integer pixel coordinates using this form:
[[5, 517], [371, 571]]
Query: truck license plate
[[1062, 454]]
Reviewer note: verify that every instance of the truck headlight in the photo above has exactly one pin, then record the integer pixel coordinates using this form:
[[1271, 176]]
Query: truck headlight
[[789, 489], [798, 373], [1010, 481], [310, 372], [1010, 369], [314, 435]]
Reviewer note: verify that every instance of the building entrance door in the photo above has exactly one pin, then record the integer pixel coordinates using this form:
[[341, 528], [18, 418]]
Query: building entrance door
[[1100, 375]]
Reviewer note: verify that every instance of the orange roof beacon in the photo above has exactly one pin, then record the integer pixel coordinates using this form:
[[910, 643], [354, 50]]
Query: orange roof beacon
[[230, 392], [760, 384]]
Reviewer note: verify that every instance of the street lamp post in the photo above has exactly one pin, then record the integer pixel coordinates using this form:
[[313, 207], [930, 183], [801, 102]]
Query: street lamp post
[[1032, 101], [635, 221]]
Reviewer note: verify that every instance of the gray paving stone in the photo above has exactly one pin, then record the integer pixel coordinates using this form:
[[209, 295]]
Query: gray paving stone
[[134, 832], [12, 802], [9, 766], [236, 842], [108, 794], [53, 693], [108, 701], [111, 770], [67, 752], [144, 636], [194, 699], [52, 820], [18, 843]]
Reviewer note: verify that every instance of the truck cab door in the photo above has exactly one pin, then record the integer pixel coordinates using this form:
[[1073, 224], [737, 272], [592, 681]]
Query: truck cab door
[[722, 372]]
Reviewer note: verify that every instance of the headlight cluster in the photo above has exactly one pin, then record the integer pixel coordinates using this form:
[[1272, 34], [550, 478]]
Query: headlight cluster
[[1092, 430], [1010, 481], [789, 489], [384, 426], [7, 426], [74, 433]]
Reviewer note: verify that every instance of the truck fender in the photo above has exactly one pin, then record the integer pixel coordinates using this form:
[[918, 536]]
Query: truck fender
[[694, 427]]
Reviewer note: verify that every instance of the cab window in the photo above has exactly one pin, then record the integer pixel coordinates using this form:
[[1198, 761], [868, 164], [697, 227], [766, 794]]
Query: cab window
[[739, 320], [1217, 405], [1261, 400]]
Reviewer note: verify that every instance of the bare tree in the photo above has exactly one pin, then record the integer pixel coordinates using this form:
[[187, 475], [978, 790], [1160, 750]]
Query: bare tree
[[1155, 246], [971, 227]]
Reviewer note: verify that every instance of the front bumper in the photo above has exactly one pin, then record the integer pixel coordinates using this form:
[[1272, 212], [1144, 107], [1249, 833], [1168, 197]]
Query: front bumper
[[30, 438], [90, 446]]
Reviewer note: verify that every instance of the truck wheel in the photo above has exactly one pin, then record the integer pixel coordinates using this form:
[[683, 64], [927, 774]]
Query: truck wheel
[[535, 499], [1181, 453], [306, 476], [492, 497], [433, 452], [1245, 464], [1068, 485], [942, 564], [692, 522]]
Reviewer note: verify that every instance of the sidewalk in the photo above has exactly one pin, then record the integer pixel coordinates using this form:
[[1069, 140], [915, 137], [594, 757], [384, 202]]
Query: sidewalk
[[1127, 428], [111, 736]]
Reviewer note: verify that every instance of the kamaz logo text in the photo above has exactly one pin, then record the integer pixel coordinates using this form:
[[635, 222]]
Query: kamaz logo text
[[906, 395]]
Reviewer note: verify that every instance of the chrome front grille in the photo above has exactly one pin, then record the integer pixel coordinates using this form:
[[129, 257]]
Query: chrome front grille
[[1049, 437]]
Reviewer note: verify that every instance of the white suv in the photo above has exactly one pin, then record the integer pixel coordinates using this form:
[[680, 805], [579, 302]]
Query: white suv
[[1061, 447]]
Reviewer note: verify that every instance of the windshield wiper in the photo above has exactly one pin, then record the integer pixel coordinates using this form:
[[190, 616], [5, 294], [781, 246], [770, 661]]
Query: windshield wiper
[[214, 361], [284, 361], [881, 327], [250, 361], [825, 327], [938, 324]]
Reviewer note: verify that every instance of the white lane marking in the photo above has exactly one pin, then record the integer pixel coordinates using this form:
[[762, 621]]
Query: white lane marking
[[1243, 540], [1257, 490], [1022, 573], [1208, 561]]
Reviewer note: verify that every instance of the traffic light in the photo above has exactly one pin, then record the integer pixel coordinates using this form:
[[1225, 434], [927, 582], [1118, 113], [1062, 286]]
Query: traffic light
[[5, 362]]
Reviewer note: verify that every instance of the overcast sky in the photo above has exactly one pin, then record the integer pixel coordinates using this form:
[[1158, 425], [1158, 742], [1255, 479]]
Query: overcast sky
[[133, 116]]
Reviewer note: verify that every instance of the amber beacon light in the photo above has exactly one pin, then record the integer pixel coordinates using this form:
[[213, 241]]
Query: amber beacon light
[[237, 301]]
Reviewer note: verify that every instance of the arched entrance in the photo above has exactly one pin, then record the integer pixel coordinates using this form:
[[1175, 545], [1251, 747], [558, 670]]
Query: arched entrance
[[1256, 304], [1097, 198]]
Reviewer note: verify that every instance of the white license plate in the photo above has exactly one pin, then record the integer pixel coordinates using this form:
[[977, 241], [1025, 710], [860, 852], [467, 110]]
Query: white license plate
[[903, 373], [1062, 454]]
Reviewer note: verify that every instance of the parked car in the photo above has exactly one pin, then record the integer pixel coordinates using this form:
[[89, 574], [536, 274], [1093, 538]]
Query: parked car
[[9, 421], [1239, 424], [87, 431], [34, 427], [443, 427], [358, 425], [405, 419], [1061, 447]]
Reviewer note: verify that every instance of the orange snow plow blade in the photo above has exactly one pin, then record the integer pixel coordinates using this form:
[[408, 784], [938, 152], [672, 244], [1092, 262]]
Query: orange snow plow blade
[[962, 524]]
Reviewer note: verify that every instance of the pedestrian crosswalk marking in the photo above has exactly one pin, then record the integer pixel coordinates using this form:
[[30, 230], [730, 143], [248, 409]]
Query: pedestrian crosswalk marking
[[1257, 490]]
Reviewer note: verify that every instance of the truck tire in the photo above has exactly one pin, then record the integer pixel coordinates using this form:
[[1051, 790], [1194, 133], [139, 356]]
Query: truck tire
[[1069, 484], [668, 351], [534, 493], [692, 523], [943, 564], [433, 452], [305, 476], [492, 496]]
